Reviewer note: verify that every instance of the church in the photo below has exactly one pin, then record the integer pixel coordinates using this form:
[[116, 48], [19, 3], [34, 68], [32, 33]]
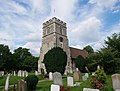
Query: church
[[55, 35]]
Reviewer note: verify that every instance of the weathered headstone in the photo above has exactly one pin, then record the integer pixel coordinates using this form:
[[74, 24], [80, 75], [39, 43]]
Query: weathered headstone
[[36, 73], [19, 73], [57, 79], [76, 76], [84, 78], [87, 75], [55, 87], [70, 81], [50, 76], [14, 73], [23, 73], [88, 89], [22, 85], [7, 83], [0, 74], [116, 82], [26, 73]]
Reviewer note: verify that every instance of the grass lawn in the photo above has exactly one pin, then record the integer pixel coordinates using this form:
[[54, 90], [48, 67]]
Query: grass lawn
[[45, 86]]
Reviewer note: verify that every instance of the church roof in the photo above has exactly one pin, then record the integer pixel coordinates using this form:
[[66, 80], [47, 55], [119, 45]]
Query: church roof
[[74, 52]]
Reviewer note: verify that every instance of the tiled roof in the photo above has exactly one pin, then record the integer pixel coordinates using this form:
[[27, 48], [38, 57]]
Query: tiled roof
[[74, 52]]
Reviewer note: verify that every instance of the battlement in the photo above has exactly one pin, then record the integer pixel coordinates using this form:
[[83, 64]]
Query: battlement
[[54, 20]]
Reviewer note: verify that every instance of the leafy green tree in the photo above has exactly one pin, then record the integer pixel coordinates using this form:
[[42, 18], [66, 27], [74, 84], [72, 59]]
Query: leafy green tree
[[55, 60], [80, 63], [92, 61], [30, 63], [89, 49], [6, 62], [20, 54]]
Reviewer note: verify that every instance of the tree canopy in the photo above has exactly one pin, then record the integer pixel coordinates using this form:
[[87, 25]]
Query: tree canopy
[[89, 49], [21, 59], [108, 57], [55, 60], [80, 63]]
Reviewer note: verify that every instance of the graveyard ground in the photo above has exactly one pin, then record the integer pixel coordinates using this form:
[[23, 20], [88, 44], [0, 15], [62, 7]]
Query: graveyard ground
[[45, 85]]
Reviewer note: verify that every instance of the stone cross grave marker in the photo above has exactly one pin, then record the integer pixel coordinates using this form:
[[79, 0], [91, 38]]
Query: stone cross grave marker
[[70, 81], [116, 82], [57, 79]]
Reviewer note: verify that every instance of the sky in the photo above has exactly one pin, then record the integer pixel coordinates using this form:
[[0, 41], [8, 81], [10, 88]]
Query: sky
[[89, 22]]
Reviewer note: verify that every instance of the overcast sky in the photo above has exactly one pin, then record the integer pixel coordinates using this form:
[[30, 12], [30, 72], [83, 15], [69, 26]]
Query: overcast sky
[[89, 22]]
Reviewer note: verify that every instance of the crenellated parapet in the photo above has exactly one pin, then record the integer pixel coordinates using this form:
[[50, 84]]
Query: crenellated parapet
[[54, 20]]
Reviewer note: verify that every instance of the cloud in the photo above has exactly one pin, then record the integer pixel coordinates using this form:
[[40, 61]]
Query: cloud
[[88, 30], [34, 47], [21, 21], [64, 9]]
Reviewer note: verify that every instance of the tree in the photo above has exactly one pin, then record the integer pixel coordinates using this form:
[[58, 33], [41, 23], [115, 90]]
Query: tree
[[80, 63], [55, 60], [89, 49], [30, 63], [20, 54], [92, 61], [6, 62]]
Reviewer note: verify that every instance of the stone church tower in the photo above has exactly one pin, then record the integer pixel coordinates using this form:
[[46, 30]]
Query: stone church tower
[[54, 35]]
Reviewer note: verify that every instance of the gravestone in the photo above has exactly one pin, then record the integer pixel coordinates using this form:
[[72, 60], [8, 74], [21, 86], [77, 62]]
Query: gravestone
[[70, 81], [26, 73], [55, 87], [23, 73], [116, 82], [50, 76], [22, 85], [87, 75], [76, 76], [57, 79], [14, 73], [93, 73], [7, 83], [88, 89], [36, 73], [84, 78], [19, 73], [0, 74]]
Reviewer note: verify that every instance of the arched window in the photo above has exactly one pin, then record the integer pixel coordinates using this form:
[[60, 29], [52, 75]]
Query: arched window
[[61, 39]]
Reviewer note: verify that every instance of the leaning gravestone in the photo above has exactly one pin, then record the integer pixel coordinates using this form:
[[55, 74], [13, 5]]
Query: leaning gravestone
[[50, 76], [70, 81], [22, 85], [55, 87], [116, 82], [7, 83], [57, 79], [88, 89], [76, 76]]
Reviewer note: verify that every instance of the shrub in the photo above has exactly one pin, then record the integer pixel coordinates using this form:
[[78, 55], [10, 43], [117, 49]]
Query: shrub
[[100, 75], [32, 81], [98, 80], [95, 83]]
